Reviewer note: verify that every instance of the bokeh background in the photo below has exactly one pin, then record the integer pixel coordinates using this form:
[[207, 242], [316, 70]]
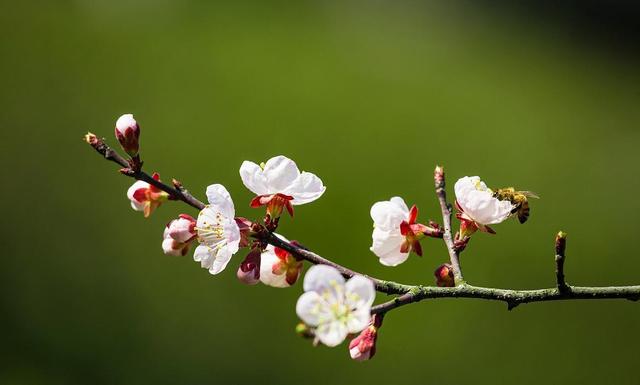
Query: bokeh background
[[368, 95]]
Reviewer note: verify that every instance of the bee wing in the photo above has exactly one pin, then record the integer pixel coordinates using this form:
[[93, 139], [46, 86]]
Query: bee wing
[[530, 194]]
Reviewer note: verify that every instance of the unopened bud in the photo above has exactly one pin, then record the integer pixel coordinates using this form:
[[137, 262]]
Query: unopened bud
[[249, 270], [182, 229], [91, 138], [438, 176], [363, 346], [444, 276], [128, 134], [561, 243]]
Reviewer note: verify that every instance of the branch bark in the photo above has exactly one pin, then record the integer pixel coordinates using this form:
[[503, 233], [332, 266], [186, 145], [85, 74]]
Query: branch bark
[[439, 179], [407, 293]]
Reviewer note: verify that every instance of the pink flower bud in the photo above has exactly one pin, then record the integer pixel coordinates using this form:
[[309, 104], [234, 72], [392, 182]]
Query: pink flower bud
[[182, 229], [128, 134], [249, 270], [363, 347], [444, 276], [172, 247]]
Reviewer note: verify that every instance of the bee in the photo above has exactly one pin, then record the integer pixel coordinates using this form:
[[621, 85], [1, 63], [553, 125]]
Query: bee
[[519, 199]]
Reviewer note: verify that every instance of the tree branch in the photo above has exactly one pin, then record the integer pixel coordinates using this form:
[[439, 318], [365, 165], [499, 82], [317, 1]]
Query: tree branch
[[438, 177], [408, 293]]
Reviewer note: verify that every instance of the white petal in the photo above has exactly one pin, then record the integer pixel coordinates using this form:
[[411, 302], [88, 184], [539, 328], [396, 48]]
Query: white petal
[[124, 122], [360, 292], [137, 205], [221, 259], [202, 255], [393, 258], [280, 172], [268, 259], [332, 333], [253, 178], [220, 199], [311, 308], [167, 247], [387, 215], [359, 319], [306, 188], [136, 186], [322, 277]]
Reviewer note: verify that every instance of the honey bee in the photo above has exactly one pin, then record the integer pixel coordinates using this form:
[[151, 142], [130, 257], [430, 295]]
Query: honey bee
[[518, 199]]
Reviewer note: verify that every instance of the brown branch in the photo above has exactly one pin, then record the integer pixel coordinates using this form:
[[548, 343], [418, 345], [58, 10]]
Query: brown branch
[[408, 293], [175, 193], [561, 244], [439, 180]]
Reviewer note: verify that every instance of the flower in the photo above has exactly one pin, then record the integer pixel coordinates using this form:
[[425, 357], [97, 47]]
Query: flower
[[478, 207], [178, 235], [145, 197], [333, 307], [279, 184], [363, 347], [128, 134], [217, 231], [396, 233], [278, 267]]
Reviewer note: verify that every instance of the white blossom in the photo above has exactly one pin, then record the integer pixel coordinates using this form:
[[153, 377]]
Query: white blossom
[[477, 203], [217, 230], [335, 308]]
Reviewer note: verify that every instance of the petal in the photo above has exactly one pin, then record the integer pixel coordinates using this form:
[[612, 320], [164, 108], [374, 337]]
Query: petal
[[221, 259], [220, 199], [269, 259], [137, 205], [399, 202], [280, 172], [322, 277], [360, 292], [311, 308], [253, 178], [306, 188], [134, 187], [387, 215], [359, 319], [332, 333]]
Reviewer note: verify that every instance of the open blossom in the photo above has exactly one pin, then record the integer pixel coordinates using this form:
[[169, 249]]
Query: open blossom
[[217, 231], [396, 232], [178, 235], [279, 184], [145, 197], [333, 307], [279, 268], [478, 207], [128, 134]]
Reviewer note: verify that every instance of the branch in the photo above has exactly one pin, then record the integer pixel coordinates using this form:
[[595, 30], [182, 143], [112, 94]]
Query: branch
[[175, 193], [408, 293], [511, 297], [561, 244], [438, 177]]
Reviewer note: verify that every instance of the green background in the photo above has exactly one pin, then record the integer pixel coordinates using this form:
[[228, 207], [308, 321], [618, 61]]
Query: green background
[[367, 95]]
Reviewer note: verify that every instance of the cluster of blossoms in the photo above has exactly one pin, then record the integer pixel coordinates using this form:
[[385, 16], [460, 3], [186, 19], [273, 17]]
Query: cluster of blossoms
[[331, 307]]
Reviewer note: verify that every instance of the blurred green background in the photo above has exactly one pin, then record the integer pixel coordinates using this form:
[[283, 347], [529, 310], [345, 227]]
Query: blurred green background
[[367, 95]]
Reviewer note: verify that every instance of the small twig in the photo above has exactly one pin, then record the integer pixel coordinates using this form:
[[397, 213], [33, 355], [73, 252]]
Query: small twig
[[439, 179], [408, 293], [561, 244], [108, 153]]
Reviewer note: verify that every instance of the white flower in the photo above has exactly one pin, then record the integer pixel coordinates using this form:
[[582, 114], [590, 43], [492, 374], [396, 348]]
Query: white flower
[[218, 232], [333, 307], [278, 268], [395, 231], [172, 247], [279, 183], [477, 203], [145, 197]]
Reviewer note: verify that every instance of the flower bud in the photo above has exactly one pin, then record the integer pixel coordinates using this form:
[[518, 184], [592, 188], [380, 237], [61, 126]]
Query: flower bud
[[561, 243], [172, 247], [182, 229], [363, 347], [249, 270], [128, 134], [444, 276]]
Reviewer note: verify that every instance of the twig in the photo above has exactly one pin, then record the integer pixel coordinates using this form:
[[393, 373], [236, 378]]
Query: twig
[[408, 293], [561, 244], [439, 180], [108, 153]]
